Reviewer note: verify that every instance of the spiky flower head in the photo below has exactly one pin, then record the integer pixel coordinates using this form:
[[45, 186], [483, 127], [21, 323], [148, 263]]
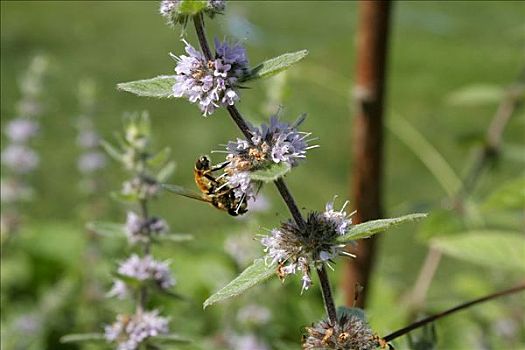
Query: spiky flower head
[[179, 11], [210, 83], [275, 143], [296, 248], [140, 230], [129, 331], [349, 333], [143, 269]]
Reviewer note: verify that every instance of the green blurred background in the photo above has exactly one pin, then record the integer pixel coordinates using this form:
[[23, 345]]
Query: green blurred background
[[448, 64]]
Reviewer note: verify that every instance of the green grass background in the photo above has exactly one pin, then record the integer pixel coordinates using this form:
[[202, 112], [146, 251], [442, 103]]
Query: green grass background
[[436, 48]]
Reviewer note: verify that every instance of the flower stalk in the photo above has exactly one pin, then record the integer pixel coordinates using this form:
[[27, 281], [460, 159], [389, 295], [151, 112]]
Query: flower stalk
[[279, 183]]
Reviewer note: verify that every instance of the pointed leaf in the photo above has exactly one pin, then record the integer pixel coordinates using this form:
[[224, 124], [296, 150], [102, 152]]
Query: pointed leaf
[[252, 275], [351, 311], [171, 339], [476, 94], [159, 159], [370, 228], [83, 337], [112, 151], [510, 195], [497, 249], [174, 237], [275, 65], [106, 228], [272, 173], [160, 86], [165, 173]]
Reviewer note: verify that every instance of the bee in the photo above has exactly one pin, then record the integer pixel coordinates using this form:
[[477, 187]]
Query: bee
[[213, 190]]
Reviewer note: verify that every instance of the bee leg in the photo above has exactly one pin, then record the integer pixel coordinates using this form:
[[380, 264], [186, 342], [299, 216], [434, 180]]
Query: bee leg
[[242, 203], [219, 166]]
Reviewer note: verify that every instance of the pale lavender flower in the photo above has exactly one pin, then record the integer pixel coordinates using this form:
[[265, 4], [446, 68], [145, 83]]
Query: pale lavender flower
[[20, 130], [142, 187], [213, 83], [295, 249], [88, 139], [275, 143], [349, 333], [147, 269], [119, 290], [20, 159], [90, 162], [254, 314], [140, 230], [247, 342], [129, 331]]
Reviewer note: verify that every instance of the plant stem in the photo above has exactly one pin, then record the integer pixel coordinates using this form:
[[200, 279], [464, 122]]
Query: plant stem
[[279, 183], [460, 307], [327, 294]]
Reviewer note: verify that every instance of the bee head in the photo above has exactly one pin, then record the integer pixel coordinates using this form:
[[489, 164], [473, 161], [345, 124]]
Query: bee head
[[202, 163]]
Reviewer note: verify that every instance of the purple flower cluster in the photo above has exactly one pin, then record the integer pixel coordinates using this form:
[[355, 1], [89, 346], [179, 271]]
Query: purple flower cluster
[[147, 269], [295, 249], [140, 230], [129, 331], [275, 143], [210, 83]]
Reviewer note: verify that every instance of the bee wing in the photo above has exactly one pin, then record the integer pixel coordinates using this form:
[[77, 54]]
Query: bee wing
[[185, 192]]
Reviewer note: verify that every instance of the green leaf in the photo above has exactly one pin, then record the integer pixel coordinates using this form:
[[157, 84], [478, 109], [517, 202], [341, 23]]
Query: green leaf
[[351, 311], [112, 151], [511, 195], [476, 94], [165, 173], [174, 237], [272, 173], [370, 228], [106, 228], [427, 154], [496, 249], [124, 198], [160, 159], [252, 275], [275, 65], [160, 86], [83, 337]]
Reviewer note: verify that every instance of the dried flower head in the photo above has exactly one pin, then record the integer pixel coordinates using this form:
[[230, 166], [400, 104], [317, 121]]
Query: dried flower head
[[129, 331], [295, 248], [210, 83], [349, 333], [140, 230], [147, 269], [174, 13]]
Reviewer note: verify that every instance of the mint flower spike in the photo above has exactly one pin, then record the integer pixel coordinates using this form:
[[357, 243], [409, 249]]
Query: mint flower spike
[[210, 84], [296, 249], [349, 333], [274, 143], [129, 331], [179, 11]]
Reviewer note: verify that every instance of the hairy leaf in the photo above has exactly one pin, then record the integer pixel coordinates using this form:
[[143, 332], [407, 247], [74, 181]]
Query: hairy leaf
[[160, 86], [254, 274], [497, 249], [274, 172], [160, 159], [510, 195], [370, 228], [165, 173], [111, 150], [275, 65], [82, 337]]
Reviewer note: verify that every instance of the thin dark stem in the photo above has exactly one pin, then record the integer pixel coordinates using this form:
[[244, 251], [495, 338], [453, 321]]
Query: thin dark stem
[[460, 307], [290, 202], [201, 34], [279, 183], [327, 294]]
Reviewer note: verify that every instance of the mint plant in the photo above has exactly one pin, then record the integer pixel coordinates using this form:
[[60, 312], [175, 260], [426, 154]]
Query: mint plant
[[211, 80]]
